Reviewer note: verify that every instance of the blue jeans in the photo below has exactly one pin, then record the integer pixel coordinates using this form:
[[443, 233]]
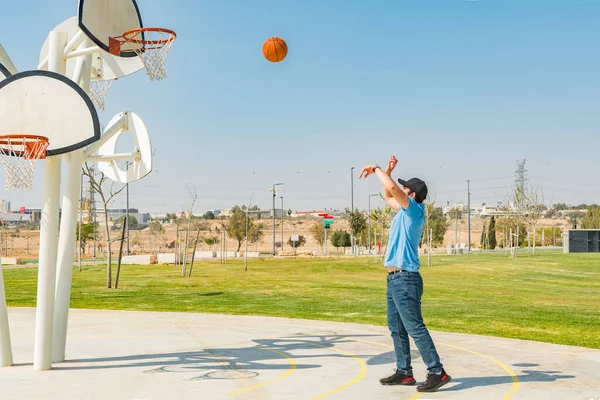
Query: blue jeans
[[404, 291]]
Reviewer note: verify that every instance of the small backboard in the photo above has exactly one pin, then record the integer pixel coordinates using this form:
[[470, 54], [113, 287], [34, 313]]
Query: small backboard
[[141, 164], [105, 66], [102, 19], [48, 104]]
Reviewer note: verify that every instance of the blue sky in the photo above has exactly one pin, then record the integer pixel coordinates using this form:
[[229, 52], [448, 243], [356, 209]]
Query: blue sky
[[455, 89]]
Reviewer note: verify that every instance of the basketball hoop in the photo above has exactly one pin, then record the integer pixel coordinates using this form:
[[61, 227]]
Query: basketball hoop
[[98, 90], [19, 154], [151, 44]]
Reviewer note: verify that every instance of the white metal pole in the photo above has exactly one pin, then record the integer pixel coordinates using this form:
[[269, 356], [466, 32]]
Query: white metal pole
[[66, 240], [109, 131], [246, 251], [352, 205], [274, 249], [7, 61], [6, 358], [369, 220], [66, 246], [79, 250], [42, 359]]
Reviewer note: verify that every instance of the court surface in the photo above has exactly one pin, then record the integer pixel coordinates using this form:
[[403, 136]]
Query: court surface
[[145, 355]]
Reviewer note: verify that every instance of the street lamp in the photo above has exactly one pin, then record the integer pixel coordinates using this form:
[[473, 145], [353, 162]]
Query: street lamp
[[281, 223], [369, 216], [469, 213], [352, 202], [274, 191], [128, 163]]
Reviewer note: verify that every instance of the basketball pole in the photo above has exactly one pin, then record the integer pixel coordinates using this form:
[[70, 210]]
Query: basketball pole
[[68, 228], [42, 359], [6, 358], [7, 61]]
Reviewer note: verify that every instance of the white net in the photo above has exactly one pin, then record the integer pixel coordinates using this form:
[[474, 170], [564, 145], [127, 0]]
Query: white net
[[19, 155], [98, 90], [152, 46]]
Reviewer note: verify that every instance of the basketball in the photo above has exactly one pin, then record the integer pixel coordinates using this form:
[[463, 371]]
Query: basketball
[[275, 49]]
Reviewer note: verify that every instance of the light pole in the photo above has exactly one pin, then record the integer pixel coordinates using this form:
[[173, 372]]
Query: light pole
[[369, 217], [282, 223], [79, 251], [352, 203], [469, 213], [128, 163], [274, 191]]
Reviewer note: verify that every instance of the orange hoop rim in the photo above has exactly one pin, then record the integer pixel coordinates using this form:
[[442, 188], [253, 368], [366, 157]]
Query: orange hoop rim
[[5, 141], [129, 36], [3, 138]]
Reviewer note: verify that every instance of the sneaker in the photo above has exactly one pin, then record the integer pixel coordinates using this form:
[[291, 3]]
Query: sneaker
[[434, 382], [398, 378]]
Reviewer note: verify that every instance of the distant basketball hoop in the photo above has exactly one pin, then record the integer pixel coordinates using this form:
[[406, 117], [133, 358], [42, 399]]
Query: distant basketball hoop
[[19, 155], [152, 45]]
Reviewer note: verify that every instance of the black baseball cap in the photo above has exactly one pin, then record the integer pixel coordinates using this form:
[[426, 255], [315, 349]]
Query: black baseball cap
[[417, 186]]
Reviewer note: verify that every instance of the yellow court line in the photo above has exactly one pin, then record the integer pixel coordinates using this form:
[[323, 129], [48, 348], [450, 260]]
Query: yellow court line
[[515, 379], [516, 383], [363, 371], [288, 372], [292, 362]]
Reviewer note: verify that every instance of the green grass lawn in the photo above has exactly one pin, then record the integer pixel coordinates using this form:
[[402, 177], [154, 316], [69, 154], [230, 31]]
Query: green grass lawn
[[550, 297]]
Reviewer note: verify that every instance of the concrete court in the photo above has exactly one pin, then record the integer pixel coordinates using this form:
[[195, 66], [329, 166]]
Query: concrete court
[[143, 355]]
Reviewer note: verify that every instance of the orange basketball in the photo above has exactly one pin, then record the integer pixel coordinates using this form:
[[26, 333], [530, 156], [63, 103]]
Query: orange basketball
[[275, 49]]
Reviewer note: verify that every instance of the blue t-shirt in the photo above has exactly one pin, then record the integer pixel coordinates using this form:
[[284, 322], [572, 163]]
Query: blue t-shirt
[[404, 237]]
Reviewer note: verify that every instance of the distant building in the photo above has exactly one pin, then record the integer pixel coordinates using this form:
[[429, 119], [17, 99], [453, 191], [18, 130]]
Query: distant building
[[449, 207], [4, 206], [116, 213], [314, 213]]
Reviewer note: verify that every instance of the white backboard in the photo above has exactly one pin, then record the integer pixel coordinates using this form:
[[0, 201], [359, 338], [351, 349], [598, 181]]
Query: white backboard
[[104, 66], [102, 19], [48, 104], [141, 165]]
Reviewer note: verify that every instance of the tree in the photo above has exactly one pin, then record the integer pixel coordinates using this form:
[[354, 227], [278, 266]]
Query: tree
[[560, 207], [434, 218], [193, 197], [381, 217], [255, 232], [357, 221], [132, 223], [508, 224], [491, 236], [156, 230], [318, 233], [87, 233], [211, 241], [527, 200], [236, 228], [591, 220], [484, 237], [455, 213], [171, 217], [297, 243], [98, 182], [340, 238], [209, 215]]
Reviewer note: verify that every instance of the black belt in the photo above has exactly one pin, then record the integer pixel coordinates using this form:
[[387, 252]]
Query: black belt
[[395, 272]]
